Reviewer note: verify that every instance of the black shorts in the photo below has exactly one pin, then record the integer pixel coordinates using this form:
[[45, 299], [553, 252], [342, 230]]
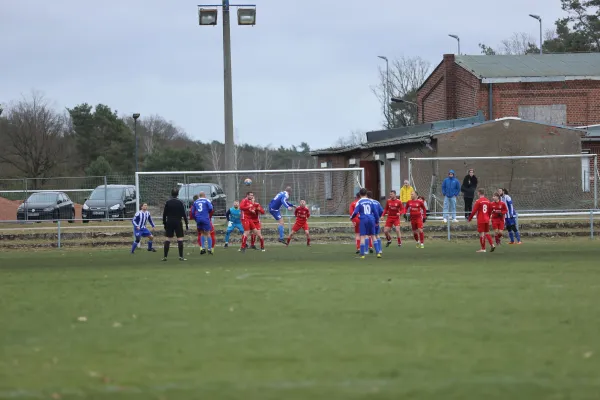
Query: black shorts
[[174, 228]]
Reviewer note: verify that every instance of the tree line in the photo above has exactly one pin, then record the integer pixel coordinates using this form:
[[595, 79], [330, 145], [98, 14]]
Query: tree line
[[39, 141]]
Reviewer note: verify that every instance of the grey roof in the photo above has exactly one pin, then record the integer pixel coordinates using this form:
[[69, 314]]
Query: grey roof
[[532, 67], [592, 131]]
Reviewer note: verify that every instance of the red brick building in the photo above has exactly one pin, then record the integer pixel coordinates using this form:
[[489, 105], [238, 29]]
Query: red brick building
[[557, 89]]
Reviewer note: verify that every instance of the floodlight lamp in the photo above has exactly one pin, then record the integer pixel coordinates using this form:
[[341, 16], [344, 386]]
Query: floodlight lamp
[[136, 115], [246, 16], [536, 17], [207, 16]]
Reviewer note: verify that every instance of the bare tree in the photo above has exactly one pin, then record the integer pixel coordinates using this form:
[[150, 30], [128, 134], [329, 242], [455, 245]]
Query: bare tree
[[262, 157], [519, 43], [216, 150], [354, 139], [407, 74], [32, 137]]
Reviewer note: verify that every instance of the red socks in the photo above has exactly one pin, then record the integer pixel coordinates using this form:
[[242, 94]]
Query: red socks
[[262, 243], [388, 236], [399, 240], [244, 242], [489, 239], [213, 237], [308, 240], [416, 236], [482, 242], [422, 236], [357, 244]]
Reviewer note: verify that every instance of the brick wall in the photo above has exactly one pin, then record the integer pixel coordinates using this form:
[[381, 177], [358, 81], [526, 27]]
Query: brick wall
[[452, 92]]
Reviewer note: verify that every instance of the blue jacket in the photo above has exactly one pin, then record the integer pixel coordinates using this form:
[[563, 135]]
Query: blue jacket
[[451, 186]]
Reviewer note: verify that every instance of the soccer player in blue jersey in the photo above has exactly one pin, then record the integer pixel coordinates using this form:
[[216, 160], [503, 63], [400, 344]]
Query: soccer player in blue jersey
[[378, 212], [201, 210], [281, 200], [510, 221], [139, 228], [234, 221], [365, 210]]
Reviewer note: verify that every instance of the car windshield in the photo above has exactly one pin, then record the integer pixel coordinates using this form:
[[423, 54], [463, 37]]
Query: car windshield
[[111, 194], [187, 192], [42, 198]]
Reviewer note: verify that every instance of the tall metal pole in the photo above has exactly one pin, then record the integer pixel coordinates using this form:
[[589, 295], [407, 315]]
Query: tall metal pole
[[387, 88], [136, 143], [541, 43], [230, 162]]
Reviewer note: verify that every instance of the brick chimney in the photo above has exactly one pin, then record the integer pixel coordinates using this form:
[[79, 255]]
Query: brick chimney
[[450, 83]]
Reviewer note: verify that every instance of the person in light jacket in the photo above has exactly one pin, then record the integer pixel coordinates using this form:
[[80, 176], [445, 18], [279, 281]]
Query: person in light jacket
[[468, 188], [405, 192], [450, 189]]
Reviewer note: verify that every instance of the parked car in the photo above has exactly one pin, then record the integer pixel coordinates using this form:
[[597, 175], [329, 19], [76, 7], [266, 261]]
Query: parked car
[[47, 206], [213, 192], [110, 201]]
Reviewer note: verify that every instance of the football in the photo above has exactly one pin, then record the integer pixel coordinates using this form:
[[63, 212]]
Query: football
[[247, 181]]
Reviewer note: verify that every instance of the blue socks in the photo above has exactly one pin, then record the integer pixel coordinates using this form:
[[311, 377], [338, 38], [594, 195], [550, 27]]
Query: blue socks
[[518, 236], [149, 244], [379, 245], [227, 236], [362, 248], [280, 229], [133, 246], [209, 242], [511, 235], [203, 241]]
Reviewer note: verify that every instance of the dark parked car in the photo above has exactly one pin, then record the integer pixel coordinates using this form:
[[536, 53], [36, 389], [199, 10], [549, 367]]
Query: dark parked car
[[110, 201], [47, 206], [213, 192]]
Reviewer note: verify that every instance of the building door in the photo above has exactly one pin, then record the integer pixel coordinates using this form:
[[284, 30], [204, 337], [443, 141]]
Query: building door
[[371, 177]]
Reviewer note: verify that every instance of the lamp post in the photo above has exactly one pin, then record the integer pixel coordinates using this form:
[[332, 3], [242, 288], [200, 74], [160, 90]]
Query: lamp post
[[135, 118], [246, 16], [458, 40], [387, 87], [540, 20]]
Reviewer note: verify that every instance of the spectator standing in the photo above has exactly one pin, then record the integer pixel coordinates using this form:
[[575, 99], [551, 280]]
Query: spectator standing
[[450, 189], [468, 188], [405, 193]]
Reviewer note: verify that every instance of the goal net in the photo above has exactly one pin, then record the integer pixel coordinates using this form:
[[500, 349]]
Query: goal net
[[327, 191], [537, 184]]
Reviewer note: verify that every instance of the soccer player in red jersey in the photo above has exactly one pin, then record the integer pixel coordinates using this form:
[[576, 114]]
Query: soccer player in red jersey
[[416, 209], [302, 215], [393, 209], [498, 211], [251, 212], [483, 210], [245, 200]]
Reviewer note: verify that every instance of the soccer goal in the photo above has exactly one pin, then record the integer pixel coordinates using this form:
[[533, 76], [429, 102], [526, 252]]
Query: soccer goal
[[327, 191], [537, 184]]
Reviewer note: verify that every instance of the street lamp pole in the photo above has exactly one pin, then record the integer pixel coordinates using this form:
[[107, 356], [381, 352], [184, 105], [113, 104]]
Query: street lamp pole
[[230, 162], [135, 118], [458, 40], [387, 88], [540, 20]]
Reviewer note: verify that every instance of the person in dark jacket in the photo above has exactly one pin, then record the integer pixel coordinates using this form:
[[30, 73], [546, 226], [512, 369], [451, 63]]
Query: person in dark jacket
[[469, 186]]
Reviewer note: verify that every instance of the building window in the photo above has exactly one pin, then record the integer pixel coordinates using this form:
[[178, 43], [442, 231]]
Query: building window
[[555, 114], [396, 182], [328, 183]]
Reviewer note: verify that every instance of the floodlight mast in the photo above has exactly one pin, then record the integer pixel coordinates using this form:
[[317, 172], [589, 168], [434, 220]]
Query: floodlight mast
[[246, 16]]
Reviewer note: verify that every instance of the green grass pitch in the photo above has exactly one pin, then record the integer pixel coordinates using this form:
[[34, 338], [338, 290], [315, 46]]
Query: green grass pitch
[[295, 323]]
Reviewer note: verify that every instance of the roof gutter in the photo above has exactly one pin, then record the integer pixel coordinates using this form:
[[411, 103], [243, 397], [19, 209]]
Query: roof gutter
[[534, 79]]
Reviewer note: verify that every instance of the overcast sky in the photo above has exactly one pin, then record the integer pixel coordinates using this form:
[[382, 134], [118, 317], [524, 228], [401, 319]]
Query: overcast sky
[[303, 73]]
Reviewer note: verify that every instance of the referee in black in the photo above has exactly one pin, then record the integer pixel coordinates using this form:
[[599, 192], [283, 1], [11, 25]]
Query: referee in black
[[173, 213]]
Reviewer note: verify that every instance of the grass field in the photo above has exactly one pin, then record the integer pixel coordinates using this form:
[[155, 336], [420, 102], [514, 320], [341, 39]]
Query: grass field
[[297, 323]]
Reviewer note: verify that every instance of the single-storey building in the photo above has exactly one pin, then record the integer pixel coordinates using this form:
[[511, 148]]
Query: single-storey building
[[547, 183], [557, 89]]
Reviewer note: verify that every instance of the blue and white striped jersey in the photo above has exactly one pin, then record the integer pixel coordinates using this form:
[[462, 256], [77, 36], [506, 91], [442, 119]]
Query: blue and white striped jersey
[[509, 204], [141, 218], [280, 200]]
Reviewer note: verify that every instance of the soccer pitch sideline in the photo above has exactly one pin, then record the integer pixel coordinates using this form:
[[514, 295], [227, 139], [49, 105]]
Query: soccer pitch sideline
[[303, 323]]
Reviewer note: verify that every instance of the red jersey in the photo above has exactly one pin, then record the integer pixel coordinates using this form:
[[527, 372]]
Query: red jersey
[[245, 206], [498, 209], [482, 209], [417, 209], [302, 214], [352, 208], [254, 211], [393, 208]]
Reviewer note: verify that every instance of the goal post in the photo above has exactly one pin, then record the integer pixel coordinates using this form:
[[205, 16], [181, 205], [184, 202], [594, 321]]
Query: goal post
[[537, 184], [327, 191]]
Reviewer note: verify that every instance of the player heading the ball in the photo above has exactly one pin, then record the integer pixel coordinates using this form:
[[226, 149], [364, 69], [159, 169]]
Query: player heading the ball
[[280, 200]]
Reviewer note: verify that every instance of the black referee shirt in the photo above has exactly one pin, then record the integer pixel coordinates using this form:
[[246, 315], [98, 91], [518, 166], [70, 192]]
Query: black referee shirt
[[174, 211]]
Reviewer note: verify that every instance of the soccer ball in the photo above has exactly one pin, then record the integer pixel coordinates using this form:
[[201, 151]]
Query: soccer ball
[[247, 181]]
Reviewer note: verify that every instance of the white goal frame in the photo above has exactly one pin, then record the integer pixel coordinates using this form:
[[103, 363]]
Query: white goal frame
[[588, 156], [243, 172]]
